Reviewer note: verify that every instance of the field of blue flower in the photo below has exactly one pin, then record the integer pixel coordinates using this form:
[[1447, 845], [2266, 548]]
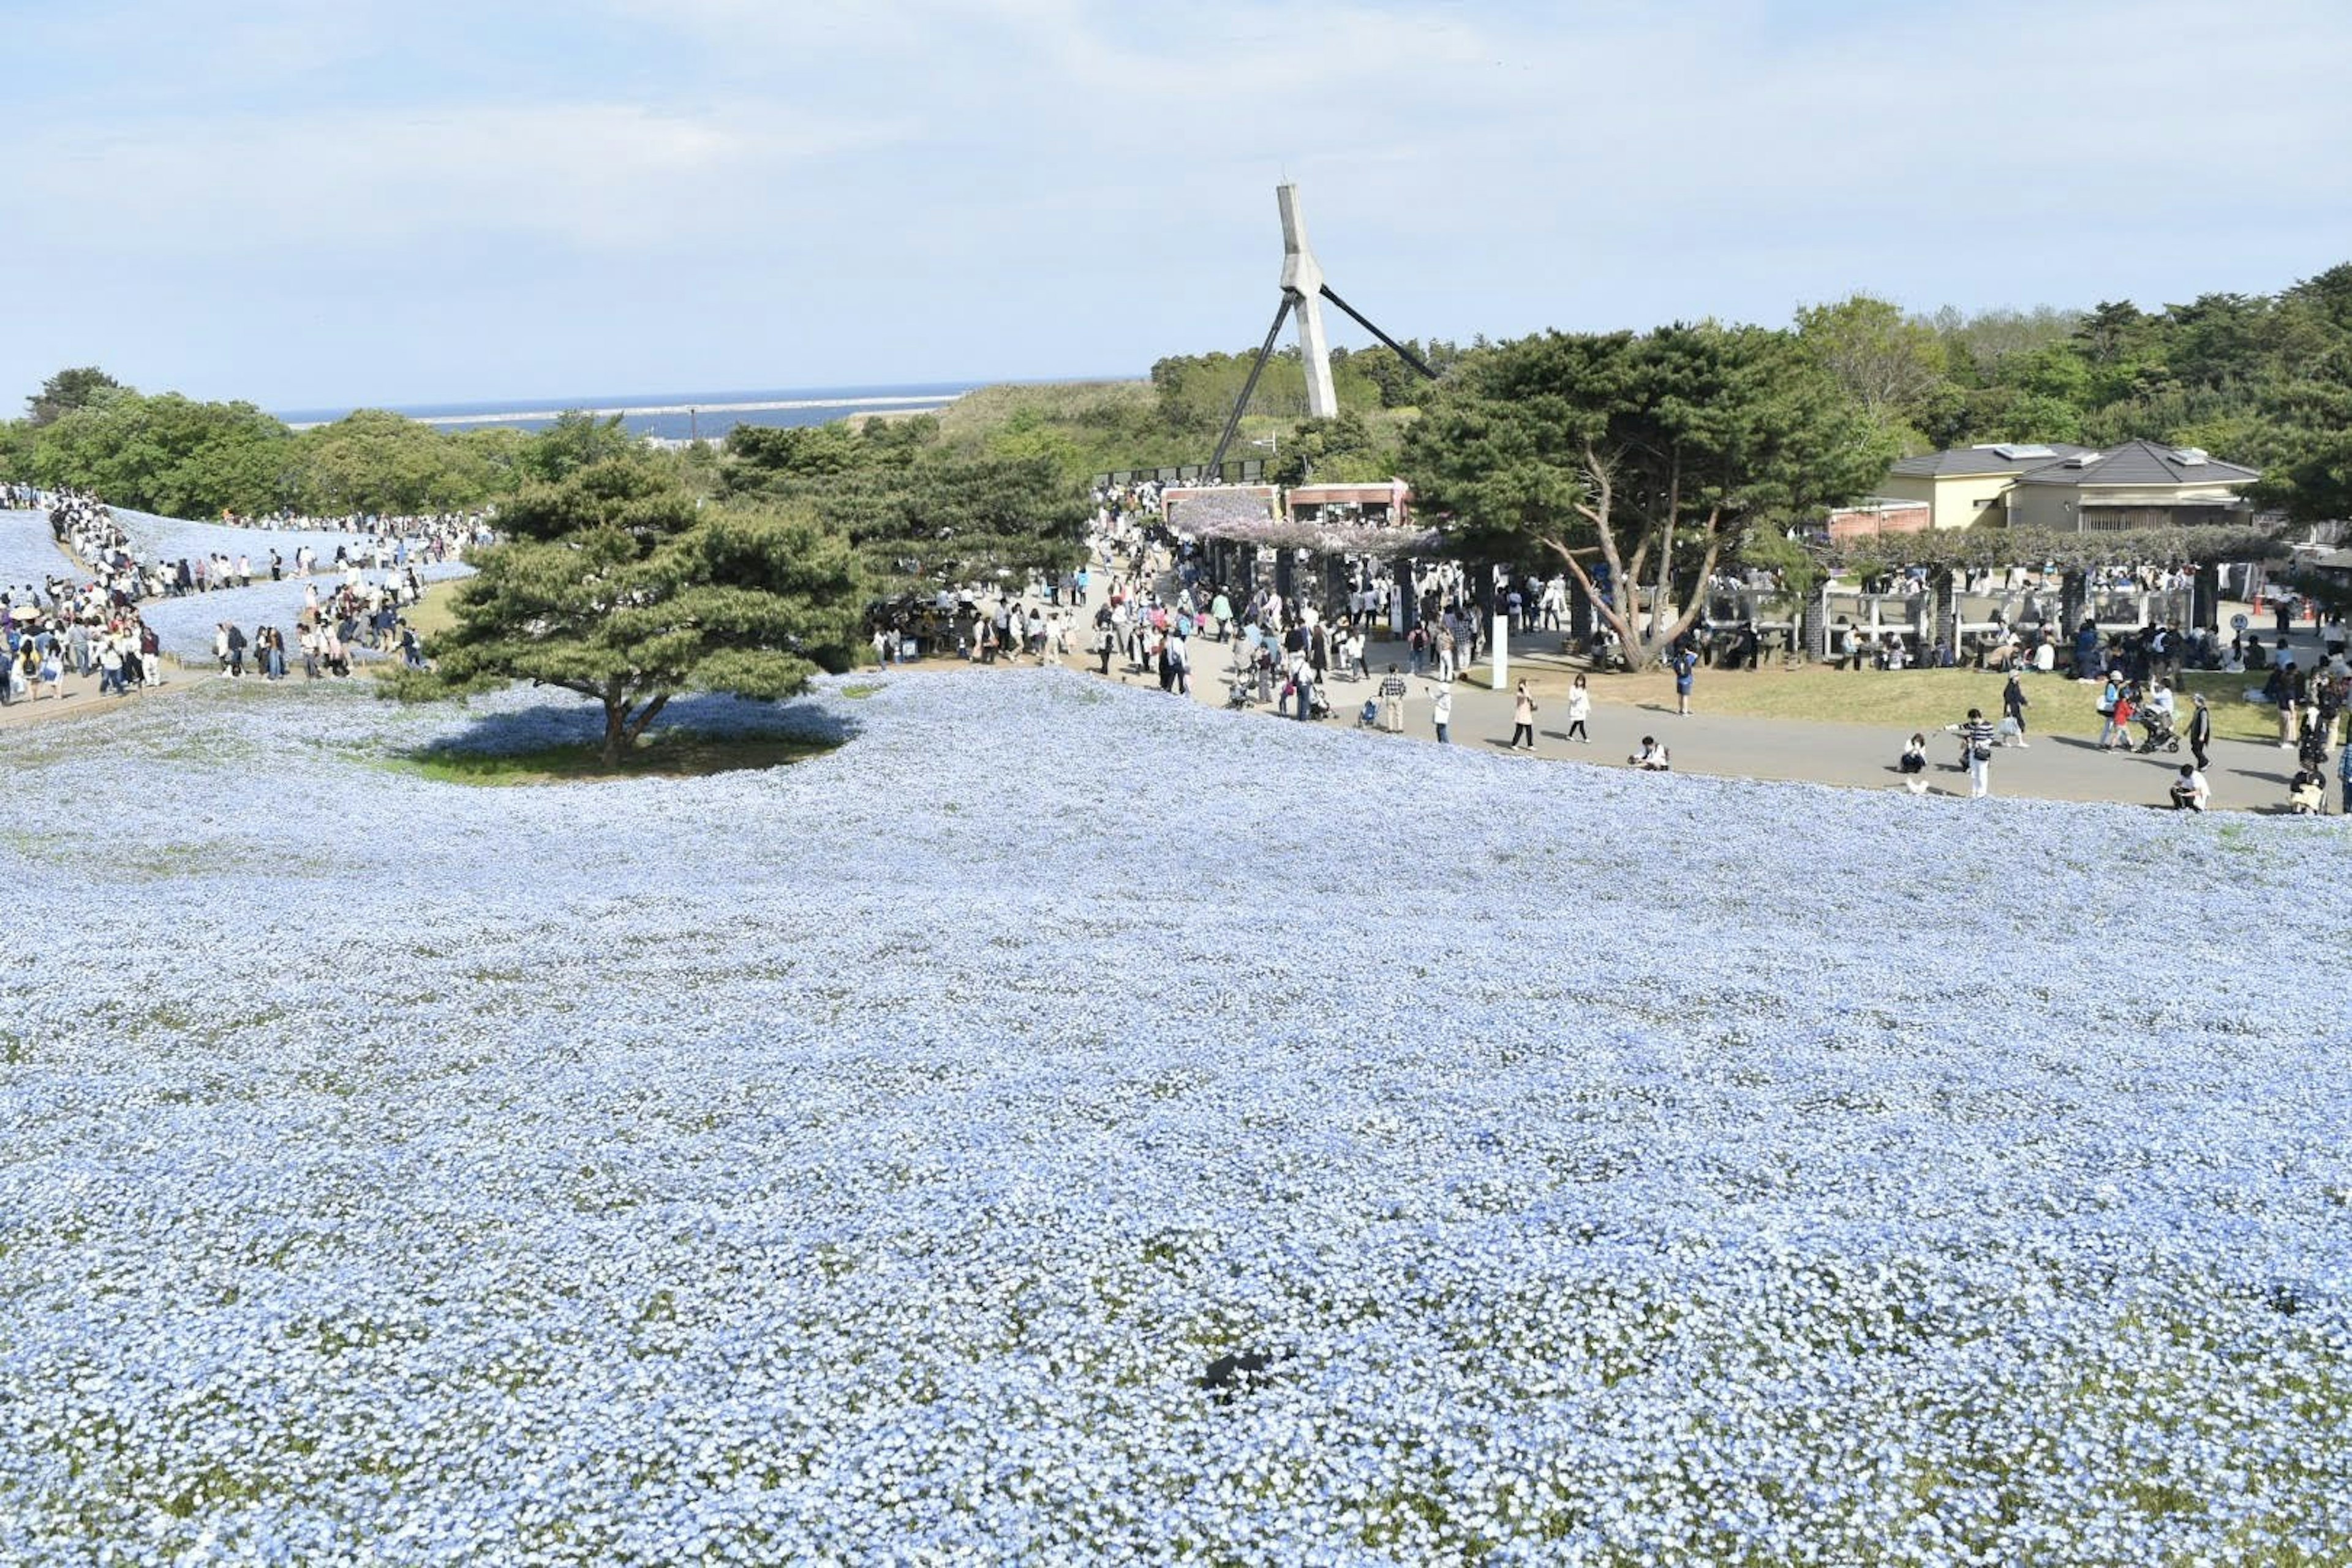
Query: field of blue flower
[[30, 556], [862, 1161], [184, 625]]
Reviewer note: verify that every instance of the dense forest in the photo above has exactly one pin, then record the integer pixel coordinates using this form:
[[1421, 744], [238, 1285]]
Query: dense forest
[[2264, 380]]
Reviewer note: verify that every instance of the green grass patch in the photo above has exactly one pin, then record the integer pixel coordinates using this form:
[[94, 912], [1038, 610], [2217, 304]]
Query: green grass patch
[[861, 691], [1918, 698], [665, 754]]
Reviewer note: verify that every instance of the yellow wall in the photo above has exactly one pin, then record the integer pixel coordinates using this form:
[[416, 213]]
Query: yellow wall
[[1953, 501]]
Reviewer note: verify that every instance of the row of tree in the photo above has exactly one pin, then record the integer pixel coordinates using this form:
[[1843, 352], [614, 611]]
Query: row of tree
[[2264, 379], [183, 457]]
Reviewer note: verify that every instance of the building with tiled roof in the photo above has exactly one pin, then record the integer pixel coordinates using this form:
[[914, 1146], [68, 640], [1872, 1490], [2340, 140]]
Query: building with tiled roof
[[2140, 484], [1969, 484], [2073, 489]]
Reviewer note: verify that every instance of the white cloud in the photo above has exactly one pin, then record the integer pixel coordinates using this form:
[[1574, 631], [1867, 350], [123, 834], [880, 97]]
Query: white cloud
[[1027, 187], [597, 175]]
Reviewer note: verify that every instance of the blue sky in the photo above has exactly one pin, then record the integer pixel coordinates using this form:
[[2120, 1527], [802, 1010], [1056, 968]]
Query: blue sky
[[330, 202]]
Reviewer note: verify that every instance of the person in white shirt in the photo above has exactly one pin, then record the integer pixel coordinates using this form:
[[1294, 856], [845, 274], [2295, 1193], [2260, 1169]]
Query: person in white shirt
[[2189, 791]]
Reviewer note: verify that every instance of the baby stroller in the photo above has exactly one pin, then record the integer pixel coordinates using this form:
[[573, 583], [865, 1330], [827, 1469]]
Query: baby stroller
[[1239, 691], [2162, 736]]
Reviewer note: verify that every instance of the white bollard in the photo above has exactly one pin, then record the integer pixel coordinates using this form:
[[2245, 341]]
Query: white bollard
[[1502, 649]]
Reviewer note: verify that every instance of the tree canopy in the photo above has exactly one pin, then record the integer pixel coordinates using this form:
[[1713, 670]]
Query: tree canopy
[[67, 390], [920, 515], [616, 584], [1636, 461]]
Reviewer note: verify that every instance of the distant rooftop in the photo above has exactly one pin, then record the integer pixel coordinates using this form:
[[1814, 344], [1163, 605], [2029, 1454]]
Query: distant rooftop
[[1996, 457], [2140, 463]]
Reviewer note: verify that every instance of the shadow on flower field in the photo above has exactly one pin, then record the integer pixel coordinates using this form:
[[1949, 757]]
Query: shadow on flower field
[[696, 736]]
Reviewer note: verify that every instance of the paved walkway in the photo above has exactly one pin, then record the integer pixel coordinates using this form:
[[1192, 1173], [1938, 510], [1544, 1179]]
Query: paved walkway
[[2245, 775], [80, 696]]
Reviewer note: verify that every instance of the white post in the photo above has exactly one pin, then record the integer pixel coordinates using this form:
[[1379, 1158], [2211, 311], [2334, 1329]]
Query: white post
[[1303, 278], [1502, 649]]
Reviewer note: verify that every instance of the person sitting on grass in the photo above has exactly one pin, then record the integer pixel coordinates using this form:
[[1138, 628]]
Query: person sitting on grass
[[1652, 757], [2189, 791]]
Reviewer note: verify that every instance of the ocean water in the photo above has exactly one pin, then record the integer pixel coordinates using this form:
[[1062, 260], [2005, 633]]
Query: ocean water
[[677, 417]]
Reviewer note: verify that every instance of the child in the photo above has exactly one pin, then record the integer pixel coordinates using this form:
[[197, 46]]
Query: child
[[2122, 720], [1913, 764]]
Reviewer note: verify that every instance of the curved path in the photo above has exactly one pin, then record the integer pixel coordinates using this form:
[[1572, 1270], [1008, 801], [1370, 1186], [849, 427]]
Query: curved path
[[2245, 775]]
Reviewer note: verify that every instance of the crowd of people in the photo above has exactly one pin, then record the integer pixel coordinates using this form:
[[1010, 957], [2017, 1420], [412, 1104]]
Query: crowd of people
[[77, 634], [449, 531], [355, 613], [87, 528], [83, 624]]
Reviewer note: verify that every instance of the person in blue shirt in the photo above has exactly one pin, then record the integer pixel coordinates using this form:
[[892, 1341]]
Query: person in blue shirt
[[2086, 650], [1685, 661]]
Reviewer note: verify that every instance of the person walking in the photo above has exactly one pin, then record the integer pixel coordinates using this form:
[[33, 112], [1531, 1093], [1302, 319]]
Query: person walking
[[1579, 709], [2109, 695], [1685, 664], [2201, 729], [1523, 717], [1392, 690], [1441, 709], [1976, 735], [2014, 705], [2127, 705]]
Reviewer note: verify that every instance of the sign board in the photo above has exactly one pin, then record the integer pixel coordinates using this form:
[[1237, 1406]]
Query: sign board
[[2239, 623]]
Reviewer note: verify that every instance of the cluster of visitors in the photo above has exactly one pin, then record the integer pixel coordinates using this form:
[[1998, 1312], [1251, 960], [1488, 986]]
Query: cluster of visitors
[[326, 631], [82, 636], [87, 528], [448, 530]]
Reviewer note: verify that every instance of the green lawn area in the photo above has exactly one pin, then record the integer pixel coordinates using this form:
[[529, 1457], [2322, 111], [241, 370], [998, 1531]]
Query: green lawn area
[[430, 615], [1919, 699]]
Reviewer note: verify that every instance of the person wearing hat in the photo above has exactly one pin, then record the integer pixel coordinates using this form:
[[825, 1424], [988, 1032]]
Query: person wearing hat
[[2200, 730]]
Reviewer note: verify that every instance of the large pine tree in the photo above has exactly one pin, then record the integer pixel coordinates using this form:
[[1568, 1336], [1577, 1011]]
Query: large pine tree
[[618, 584]]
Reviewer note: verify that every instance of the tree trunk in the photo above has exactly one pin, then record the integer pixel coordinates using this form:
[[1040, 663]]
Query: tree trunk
[[616, 733]]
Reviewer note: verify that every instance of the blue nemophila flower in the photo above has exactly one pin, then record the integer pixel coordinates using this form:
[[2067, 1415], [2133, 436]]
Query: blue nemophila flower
[[862, 1161]]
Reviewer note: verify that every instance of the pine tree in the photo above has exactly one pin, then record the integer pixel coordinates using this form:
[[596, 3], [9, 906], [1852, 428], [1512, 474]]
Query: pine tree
[[618, 584]]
